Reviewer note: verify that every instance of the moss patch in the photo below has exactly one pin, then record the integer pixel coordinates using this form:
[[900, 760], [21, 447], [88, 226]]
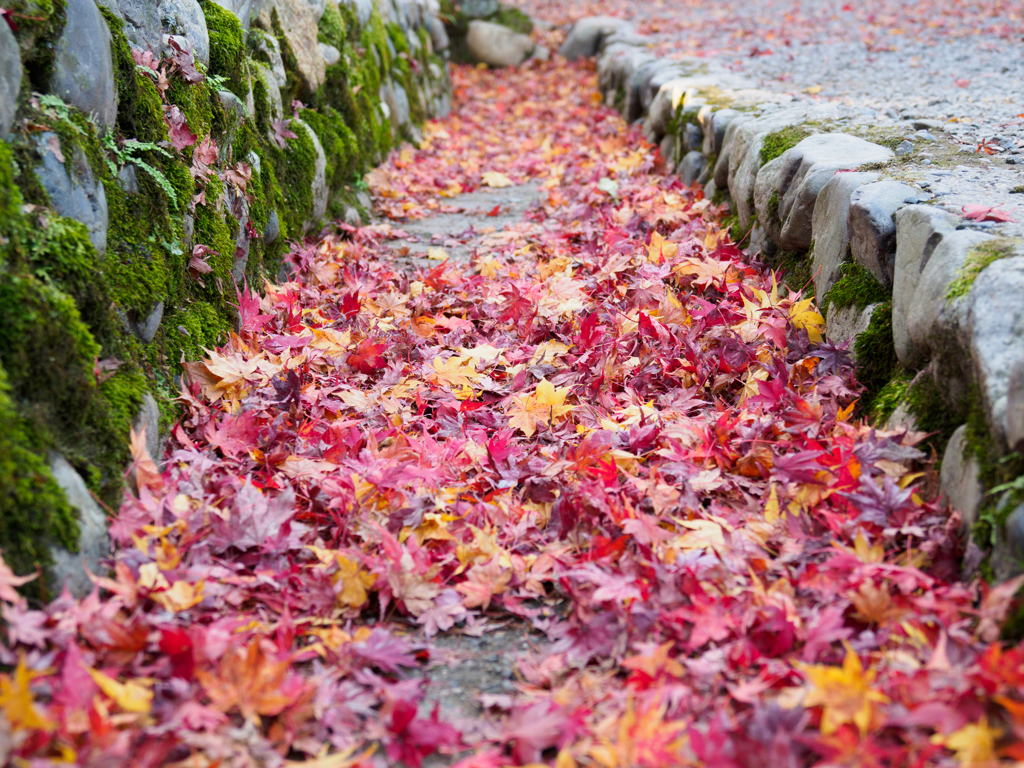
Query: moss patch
[[776, 143], [227, 48], [876, 354], [978, 258], [856, 287], [32, 506]]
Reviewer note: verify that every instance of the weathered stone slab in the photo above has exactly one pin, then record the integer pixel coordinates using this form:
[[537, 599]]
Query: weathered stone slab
[[829, 232], [584, 40], [871, 221], [497, 45]]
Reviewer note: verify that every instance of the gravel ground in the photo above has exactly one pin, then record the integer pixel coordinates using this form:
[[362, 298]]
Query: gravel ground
[[947, 74]]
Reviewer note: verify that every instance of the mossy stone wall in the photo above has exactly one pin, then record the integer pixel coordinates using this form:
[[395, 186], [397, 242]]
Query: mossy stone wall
[[86, 336]]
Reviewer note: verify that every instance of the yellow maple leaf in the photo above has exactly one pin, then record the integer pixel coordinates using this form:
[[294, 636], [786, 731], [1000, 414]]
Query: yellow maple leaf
[[802, 316], [180, 597], [974, 744], [496, 179], [354, 583], [132, 696], [16, 700], [454, 372], [437, 254], [844, 692], [545, 406], [661, 249]]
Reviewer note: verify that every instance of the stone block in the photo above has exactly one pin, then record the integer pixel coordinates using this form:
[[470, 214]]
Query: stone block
[[871, 220], [497, 45], [829, 232], [83, 69], [10, 78], [919, 231], [584, 39], [69, 570]]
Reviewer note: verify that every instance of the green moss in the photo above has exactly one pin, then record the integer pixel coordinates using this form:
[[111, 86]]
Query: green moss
[[876, 354], [514, 19], [193, 327], [194, 100], [1018, 190], [978, 257], [932, 413], [332, 29], [889, 397], [33, 509], [139, 112], [776, 143], [773, 206], [227, 47], [856, 287], [295, 168], [216, 229]]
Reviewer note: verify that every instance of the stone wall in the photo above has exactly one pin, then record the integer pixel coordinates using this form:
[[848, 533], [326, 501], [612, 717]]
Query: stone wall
[[156, 156], [930, 304]]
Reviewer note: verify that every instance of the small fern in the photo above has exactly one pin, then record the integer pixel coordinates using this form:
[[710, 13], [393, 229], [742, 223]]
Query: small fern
[[129, 152]]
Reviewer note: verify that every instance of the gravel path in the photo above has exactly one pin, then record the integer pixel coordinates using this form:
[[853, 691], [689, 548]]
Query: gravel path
[[946, 74]]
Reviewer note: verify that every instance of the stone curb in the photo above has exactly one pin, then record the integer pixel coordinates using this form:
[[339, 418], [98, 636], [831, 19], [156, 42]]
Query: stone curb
[[955, 285]]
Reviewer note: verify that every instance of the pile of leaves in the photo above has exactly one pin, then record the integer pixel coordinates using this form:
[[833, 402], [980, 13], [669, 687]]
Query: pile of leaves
[[610, 426]]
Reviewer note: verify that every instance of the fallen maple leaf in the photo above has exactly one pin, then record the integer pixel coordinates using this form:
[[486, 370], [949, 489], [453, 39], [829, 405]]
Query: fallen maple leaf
[[496, 179], [844, 693], [545, 406], [986, 213]]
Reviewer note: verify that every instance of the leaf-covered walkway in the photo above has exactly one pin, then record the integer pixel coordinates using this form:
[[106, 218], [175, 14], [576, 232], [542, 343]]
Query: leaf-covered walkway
[[608, 435]]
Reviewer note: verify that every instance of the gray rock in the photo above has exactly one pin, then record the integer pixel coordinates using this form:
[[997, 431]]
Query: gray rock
[[929, 125], [128, 179], [693, 138], [919, 231], [318, 7], [1014, 531], [585, 38], [188, 227], [148, 419], [958, 479], [872, 224], [273, 229], [145, 328], [692, 167], [146, 22], [638, 82], [275, 105], [1015, 409], [243, 9], [904, 148], [714, 137], [320, 190], [496, 45], [438, 34], [669, 147], [829, 232], [83, 70], [902, 418], [766, 198], [847, 323], [352, 217], [268, 46], [806, 168], [363, 198], [995, 328], [93, 543], [401, 114], [616, 65], [10, 78], [743, 147], [541, 53], [935, 323], [297, 19], [331, 54], [72, 188], [479, 9]]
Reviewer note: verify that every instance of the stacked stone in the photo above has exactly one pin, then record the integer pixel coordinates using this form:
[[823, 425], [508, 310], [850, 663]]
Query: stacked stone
[[287, 54], [951, 287]]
